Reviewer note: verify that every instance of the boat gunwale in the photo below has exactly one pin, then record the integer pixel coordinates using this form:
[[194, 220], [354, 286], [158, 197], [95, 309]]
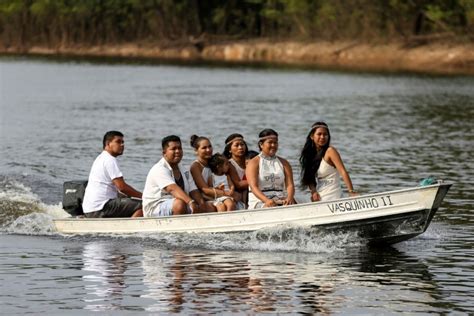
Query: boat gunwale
[[268, 210]]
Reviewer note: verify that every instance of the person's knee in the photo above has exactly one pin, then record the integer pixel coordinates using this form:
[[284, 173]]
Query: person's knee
[[211, 207], [179, 207], [207, 207], [230, 204], [221, 207]]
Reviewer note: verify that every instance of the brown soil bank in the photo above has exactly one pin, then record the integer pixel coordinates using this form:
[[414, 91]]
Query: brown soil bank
[[434, 58]]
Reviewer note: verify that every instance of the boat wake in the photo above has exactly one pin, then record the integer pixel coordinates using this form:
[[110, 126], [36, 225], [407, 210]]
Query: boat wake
[[22, 211], [281, 239], [32, 224], [301, 239]]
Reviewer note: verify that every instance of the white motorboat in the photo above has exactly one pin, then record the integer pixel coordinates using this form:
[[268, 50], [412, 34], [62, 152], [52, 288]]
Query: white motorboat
[[386, 217]]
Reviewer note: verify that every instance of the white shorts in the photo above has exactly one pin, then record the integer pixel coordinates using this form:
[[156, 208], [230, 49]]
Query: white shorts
[[221, 199], [166, 209]]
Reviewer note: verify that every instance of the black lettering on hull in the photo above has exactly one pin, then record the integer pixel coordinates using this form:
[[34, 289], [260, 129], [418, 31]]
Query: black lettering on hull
[[360, 204]]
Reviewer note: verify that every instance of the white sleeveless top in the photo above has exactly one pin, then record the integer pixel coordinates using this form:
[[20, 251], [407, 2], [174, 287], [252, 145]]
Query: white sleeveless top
[[206, 172], [239, 169], [218, 180], [241, 205], [328, 182], [271, 180]]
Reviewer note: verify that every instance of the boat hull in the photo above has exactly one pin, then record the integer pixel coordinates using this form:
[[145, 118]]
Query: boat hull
[[386, 217], [385, 229]]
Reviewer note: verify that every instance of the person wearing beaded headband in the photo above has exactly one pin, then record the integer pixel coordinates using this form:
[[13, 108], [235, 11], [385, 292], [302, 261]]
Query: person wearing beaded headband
[[270, 177], [236, 150], [322, 166], [200, 170]]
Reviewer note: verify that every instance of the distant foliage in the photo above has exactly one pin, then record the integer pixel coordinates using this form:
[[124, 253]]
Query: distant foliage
[[57, 23]]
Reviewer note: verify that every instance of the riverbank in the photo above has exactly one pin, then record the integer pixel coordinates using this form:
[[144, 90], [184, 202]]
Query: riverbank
[[418, 57]]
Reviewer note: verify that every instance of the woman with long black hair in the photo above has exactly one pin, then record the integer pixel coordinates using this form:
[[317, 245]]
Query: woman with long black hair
[[322, 166]]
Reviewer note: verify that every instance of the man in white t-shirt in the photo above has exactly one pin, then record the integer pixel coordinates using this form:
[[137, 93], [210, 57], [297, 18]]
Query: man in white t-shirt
[[101, 198], [169, 189]]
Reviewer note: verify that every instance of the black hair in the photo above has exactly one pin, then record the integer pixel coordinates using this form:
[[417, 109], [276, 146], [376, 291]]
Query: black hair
[[265, 132], [215, 161], [228, 145], [251, 154], [195, 140], [109, 136], [311, 157], [168, 139]]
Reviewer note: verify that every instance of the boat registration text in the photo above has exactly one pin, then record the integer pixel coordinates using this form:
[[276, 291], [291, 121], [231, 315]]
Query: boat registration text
[[360, 204]]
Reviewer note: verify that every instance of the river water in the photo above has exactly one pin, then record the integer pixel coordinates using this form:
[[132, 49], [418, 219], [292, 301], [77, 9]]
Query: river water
[[391, 131]]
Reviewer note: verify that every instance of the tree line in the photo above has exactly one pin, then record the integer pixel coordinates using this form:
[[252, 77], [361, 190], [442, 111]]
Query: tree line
[[56, 23]]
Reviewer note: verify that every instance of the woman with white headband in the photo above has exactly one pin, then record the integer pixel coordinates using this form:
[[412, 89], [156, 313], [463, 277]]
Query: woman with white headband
[[270, 177], [322, 166], [236, 151], [201, 172]]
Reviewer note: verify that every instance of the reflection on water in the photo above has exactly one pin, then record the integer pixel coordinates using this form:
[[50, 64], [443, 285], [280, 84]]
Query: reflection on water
[[294, 283], [104, 281], [107, 275], [176, 279], [240, 283]]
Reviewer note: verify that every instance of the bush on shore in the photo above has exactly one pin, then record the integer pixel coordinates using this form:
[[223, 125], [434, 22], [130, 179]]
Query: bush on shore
[[55, 23]]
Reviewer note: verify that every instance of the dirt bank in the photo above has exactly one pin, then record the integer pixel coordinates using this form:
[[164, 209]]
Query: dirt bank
[[434, 58]]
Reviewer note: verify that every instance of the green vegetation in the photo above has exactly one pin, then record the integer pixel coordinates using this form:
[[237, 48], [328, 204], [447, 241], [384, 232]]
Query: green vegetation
[[56, 23]]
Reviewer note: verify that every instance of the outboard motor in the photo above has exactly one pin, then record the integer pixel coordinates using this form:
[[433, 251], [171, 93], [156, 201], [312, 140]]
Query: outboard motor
[[73, 195]]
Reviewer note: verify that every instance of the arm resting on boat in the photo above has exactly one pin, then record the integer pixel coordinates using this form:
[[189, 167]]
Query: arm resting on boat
[[336, 160], [314, 194]]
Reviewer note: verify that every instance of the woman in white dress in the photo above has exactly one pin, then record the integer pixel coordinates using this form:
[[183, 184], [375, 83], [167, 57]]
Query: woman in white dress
[[236, 151], [270, 177], [322, 166], [200, 171]]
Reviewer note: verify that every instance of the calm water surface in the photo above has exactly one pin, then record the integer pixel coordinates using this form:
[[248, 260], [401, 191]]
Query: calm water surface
[[391, 131]]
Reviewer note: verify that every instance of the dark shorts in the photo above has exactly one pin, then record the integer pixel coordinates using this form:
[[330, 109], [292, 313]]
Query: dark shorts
[[119, 207]]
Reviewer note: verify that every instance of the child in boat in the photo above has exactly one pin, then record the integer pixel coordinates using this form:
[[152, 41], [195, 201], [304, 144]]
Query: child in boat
[[220, 180]]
